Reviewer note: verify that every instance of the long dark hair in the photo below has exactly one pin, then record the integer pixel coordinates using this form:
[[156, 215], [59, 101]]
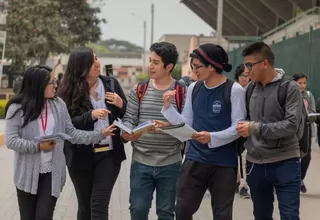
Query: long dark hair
[[31, 93], [74, 88]]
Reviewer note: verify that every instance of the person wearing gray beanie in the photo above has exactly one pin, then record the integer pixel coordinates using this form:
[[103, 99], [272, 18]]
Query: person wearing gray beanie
[[213, 108]]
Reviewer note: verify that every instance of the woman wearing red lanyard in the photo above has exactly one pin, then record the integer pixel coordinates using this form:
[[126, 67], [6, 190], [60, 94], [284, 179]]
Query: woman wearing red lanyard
[[40, 173], [93, 169]]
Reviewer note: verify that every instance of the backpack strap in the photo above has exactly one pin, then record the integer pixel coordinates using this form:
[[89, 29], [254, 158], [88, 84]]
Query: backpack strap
[[282, 90], [141, 90], [195, 91], [227, 94], [180, 93], [249, 92]]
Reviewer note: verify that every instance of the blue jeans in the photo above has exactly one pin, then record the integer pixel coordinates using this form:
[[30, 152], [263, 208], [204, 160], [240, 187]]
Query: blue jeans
[[285, 178], [143, 181]]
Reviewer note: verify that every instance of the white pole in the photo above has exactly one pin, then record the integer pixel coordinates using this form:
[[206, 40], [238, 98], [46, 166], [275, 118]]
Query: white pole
[[219, 21], [144, 45], [2, 57], [152, 22]]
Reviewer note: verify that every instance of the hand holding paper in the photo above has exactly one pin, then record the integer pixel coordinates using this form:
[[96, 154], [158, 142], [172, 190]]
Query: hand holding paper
[[182, 132], [203, 137], [131, 137]]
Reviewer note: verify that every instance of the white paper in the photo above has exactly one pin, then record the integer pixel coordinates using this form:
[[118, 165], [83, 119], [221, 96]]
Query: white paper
[[141, 127], [313, 114], [61, 136], [182, 132]]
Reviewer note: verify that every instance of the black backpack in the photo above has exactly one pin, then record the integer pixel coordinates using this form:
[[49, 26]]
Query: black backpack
[[304, 128]]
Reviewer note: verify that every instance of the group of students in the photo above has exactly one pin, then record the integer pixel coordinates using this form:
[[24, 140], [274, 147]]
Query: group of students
[[218, 108]]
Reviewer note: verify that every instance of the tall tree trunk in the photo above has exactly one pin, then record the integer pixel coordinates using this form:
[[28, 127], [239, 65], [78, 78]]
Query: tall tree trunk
[[43, 59]]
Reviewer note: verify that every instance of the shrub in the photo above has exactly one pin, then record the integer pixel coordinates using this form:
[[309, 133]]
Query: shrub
[[3, 103]]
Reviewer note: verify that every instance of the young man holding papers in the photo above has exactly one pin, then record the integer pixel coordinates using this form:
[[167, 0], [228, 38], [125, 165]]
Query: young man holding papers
[[156, 156], [211, 161]]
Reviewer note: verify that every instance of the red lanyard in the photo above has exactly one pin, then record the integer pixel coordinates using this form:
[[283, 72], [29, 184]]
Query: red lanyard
[[44, 122]]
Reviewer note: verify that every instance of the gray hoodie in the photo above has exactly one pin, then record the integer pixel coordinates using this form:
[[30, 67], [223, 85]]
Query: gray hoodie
[[274, 132]]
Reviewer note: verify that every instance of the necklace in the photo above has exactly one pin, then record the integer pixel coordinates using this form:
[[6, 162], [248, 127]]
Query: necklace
[[93, 84]]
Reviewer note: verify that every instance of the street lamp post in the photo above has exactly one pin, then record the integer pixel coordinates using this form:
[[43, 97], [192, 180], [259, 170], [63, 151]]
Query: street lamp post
[[152, 22], [219, 20], [144, 41]]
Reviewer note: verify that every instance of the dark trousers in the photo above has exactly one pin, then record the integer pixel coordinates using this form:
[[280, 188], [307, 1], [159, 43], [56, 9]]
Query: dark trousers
[[94, 188], [284, 177], [40, 206], [305, 161], [195, 178]]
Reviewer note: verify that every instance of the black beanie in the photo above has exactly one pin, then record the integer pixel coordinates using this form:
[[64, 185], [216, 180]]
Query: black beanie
[[215, 55]]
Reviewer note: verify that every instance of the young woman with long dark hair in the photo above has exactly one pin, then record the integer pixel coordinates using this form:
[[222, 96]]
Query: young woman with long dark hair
[[93, 169], [309, 103], [40, 172]]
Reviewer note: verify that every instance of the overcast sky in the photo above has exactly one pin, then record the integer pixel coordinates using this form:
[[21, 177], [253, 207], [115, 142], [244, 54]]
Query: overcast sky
[[171, 17]]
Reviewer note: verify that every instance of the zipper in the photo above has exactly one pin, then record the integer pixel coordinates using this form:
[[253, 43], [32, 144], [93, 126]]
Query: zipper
[[263, 105]]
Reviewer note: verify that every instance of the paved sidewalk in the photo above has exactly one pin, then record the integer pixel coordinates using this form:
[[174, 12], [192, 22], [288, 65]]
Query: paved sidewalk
[[67, 207]]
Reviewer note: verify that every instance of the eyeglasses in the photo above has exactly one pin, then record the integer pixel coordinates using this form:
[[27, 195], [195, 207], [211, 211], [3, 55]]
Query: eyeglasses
[[250, 65], [196, 67], [244, 76], [53, 82]]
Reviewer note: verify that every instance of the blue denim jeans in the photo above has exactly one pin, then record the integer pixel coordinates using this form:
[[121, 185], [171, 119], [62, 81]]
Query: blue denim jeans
[[143, 181], [285, 178]]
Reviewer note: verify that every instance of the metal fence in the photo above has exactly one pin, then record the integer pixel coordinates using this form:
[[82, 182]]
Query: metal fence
[[294, 55]]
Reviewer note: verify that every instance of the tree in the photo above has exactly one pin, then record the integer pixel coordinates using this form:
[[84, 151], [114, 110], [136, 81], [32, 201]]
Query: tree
[[142, 77], [81, 21], [38, 28], [176, 72], [120, 45]]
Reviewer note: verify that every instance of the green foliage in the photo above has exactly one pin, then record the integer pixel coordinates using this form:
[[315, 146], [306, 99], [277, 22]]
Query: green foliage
[[100, 49], [3, 103], [142, 77], [176, 72], [120, 45], [38, 28]]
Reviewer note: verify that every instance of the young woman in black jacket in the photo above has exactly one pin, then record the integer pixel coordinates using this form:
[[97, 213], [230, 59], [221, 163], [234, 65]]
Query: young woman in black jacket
[[93, 101]]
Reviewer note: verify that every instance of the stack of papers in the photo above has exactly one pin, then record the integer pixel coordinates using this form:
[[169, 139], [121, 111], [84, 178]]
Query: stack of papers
[[143, 127], [53, 137], [182, 132]]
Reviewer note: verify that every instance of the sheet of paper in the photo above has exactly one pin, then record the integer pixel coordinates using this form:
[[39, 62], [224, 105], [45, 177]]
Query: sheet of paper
[[182, 132], [313, 114]]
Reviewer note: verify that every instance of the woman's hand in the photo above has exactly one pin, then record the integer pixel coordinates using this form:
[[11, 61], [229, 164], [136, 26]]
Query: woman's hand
[[114, 99], [109, 131], [100, 113], [167, 98], [47, 145]]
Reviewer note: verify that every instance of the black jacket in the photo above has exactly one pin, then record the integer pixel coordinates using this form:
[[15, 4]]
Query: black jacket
[[81, 156]]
